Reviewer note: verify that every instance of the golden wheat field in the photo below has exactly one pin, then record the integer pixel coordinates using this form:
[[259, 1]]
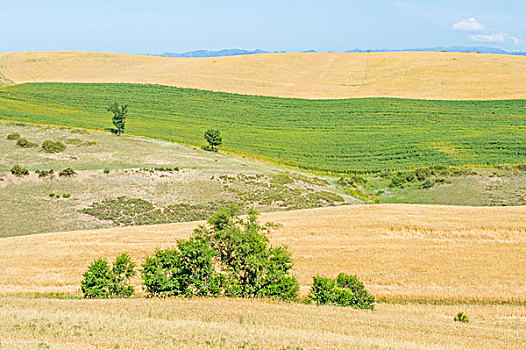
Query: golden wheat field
[[252, 324], [401, 252], [423, 75]]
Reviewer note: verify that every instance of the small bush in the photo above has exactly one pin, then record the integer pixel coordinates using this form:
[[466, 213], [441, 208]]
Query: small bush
[[45, 173], [428, 183], [66, 195], [103, 281], [67, 172], [52, 195], [345, 290], [18, 171], [461, 317], [398, 180], [352, 181], [106, 171], [24, 143], [53, 146], [13, 136]]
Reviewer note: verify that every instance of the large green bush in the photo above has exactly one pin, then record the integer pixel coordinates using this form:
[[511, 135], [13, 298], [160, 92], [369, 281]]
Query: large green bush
[[53, 146], [103, 281], [187, 270], [229, 256], [345, 290]]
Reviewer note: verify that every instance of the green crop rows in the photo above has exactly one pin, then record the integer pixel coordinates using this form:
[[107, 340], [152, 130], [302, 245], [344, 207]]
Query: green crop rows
[[371, 134]]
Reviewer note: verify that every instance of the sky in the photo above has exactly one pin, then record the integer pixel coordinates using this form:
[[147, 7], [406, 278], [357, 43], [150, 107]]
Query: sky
[[158, 26]]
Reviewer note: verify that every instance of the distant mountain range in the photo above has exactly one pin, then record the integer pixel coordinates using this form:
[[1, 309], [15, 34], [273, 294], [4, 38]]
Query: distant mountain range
[[207, 53], [239, 52], [477, 49]]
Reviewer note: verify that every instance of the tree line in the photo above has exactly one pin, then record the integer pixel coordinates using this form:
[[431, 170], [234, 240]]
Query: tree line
[[229, 256]]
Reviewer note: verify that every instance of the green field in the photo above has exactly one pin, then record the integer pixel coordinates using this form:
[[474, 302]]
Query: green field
[[366, 135]]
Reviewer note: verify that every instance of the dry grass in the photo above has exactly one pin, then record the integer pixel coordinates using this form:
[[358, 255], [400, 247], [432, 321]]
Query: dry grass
[[428, 75], [399, 251], [27, 207], [252, 324]]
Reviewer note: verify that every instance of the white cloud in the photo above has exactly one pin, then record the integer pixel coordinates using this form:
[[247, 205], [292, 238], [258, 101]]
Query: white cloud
[[494, 38], [469, 25]]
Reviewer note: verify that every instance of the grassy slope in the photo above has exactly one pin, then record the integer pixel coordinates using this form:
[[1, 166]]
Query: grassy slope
[[401, 252], [27, 207], [334, 135], [425, 75], [252, 324]]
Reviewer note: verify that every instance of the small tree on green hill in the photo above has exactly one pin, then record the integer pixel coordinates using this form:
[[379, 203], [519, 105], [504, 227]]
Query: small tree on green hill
[[119, 116], [214, 139]]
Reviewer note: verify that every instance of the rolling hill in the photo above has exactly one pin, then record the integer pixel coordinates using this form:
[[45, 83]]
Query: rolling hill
[[401, 252], [421, 75], [424, 262], [352, 135]]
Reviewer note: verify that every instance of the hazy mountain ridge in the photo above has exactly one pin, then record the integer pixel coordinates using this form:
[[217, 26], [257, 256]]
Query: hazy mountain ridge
[[471, 49], [207, 53], [240, 52]]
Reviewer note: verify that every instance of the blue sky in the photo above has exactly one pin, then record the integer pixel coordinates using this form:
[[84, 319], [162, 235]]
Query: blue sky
[[157, 26]]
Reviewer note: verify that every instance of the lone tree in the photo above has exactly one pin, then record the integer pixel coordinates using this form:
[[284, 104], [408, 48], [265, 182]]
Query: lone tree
[[119, 116], [213, 137], [230, 256]]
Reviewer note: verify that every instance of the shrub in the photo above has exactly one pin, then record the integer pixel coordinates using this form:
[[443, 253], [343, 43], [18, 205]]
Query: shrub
[[13, 136], [106, 171], [398, 180], [461, 317], [428, 183], [345, 290], [230, 256], [323, 290], [103, 281], [67, 172], [24, 143], [44, 173], [53, 146], [52, 195], [66, 195], [187, 271], [352, 181], [422, 174], [17, 170]]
